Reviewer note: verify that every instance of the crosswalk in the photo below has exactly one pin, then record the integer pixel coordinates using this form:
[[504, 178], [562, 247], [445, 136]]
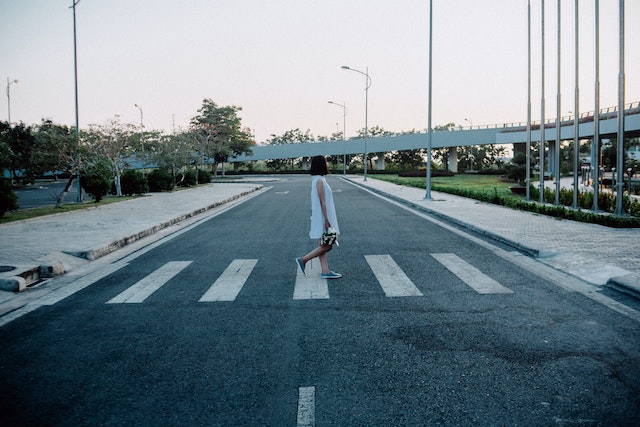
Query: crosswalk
[[310, 286]]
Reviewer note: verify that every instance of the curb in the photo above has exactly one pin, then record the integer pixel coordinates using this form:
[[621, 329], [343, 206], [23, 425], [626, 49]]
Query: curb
[[629, 284]]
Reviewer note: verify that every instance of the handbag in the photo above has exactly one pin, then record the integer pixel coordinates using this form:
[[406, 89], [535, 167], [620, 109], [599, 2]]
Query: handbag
[[329, 237]]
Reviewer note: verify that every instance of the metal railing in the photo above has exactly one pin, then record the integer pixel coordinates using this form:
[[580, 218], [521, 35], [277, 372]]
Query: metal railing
[[605, 113]]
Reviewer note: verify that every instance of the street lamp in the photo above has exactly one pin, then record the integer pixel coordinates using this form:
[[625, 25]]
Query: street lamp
[[141, 135], [75, 73], [344, 135], [366, 111], [9, 83]]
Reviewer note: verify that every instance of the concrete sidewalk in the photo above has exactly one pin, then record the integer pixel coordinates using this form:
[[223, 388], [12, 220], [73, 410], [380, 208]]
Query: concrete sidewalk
[[594, 253], [51, 245]]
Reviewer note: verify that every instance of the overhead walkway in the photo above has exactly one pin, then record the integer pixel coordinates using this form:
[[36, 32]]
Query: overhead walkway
[[509, 133]]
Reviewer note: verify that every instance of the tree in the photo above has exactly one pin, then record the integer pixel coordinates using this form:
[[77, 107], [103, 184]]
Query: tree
[[218, 133], [8, 199], [373, 132], [55, 149], [171, 152], [295, 136], [112, 142], [410, 159], [96, 179], [517, 169], [19, 141], [5, 148]]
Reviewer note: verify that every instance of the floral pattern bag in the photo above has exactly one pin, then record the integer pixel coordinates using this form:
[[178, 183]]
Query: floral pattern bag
[[330, 237]]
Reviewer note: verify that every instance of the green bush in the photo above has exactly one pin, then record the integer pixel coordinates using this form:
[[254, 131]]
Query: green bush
[[133, 182], [187, 179], [204, 176], [160, 180], [96, 180], [8, 199]]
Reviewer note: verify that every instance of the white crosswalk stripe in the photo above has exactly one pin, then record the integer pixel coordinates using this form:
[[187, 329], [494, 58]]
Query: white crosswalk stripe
[[393, 280], [473, 277], [151, 283], [390, 276], [310, 285], [230, 283]]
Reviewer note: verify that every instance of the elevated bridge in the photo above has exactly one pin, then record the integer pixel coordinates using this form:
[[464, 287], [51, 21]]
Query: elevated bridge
[[509, 133]]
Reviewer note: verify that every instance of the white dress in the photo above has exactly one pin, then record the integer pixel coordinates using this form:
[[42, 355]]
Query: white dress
[[317, 219]]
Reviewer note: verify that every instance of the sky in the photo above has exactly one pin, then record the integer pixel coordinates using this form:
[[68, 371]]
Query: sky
[[280, 61]]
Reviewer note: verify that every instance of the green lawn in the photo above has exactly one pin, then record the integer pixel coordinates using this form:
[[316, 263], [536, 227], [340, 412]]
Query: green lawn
[[475, 182]]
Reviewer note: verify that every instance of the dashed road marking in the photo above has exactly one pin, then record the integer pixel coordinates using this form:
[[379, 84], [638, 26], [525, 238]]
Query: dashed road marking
[[306, 407]]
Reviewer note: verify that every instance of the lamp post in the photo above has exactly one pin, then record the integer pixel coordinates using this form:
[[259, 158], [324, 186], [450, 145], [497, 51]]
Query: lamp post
[[366, 111], [344, 136], [75, 69], [9, 83], [427, 195], [620, 158], [141, 135]]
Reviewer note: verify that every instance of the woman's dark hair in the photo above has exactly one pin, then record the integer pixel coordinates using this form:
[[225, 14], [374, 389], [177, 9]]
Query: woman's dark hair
[[319, 166]]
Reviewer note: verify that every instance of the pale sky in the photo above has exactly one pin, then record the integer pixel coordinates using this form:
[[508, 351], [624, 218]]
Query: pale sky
[[280, 61]]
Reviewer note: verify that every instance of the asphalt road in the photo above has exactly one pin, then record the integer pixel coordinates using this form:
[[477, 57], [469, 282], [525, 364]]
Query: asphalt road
[[470, 339], [44, 193]]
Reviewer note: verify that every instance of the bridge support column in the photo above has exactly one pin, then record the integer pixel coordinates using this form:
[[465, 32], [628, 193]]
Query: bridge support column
[[380, 162], [453, 160], [520, 147]]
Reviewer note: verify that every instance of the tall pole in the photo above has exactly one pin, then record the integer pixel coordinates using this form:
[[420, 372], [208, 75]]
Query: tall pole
[[344, 135], [9, 83], [595, 143], [576, 107], [427, 195], [542, 120], [620, 161], [141, 136], [75, 68], [528, 145], [366, 122], [556, 160], [366, 111]]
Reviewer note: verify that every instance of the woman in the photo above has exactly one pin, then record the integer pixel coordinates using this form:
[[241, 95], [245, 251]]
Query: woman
[[323, 217]]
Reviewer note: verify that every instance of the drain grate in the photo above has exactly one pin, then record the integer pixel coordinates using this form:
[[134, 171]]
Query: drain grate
[[5, 268]]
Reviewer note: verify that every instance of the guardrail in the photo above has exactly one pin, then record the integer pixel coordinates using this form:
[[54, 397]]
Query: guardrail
[[605, 113]]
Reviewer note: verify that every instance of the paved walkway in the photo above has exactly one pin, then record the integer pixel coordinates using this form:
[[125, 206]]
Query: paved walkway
[[594, 253], [75, 238]]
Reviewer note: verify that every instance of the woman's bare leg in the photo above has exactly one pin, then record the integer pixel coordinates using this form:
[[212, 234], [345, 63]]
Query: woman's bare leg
[[321, 253]]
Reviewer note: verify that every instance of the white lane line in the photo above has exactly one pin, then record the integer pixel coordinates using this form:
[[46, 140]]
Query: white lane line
[[230, 283], [391, 277], [473, 277], [310, 286], [306, 407], [140, 291]]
